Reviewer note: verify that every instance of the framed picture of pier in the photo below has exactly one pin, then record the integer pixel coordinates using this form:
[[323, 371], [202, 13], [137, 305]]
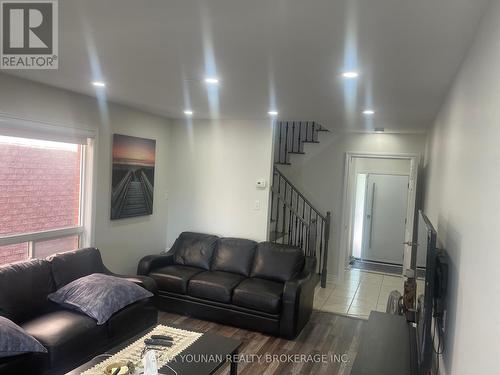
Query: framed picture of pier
[[133, 176]]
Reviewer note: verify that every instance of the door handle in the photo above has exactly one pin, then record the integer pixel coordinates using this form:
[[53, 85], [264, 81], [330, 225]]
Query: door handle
[[371, 218], [409, 243]]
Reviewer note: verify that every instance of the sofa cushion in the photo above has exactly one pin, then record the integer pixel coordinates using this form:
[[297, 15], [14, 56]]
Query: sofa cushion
[[72, 265], [277, 262], [174, 278], [234, 255], [214, 285], [132, 319], [194, 249], [14, 340], [99, 296], [259, 294], [24, 287], [66, 335]]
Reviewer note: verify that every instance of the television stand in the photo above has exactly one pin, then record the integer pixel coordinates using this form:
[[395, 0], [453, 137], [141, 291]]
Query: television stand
[[387, 347]]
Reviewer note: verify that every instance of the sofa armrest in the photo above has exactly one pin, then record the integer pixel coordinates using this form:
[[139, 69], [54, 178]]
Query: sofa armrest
[[298, 299], [151, 262], [146, 282]]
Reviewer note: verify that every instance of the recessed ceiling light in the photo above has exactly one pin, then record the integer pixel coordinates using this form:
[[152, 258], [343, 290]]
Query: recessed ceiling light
[[188, 112], [351, 74], [212, 80], [368, 112], [99, 83], [272, 113]]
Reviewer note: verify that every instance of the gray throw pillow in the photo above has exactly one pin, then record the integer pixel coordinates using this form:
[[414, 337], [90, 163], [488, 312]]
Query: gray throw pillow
[[14, 340], [99, 296]]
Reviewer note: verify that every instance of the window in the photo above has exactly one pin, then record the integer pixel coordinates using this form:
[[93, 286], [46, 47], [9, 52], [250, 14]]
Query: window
[[41, 190]]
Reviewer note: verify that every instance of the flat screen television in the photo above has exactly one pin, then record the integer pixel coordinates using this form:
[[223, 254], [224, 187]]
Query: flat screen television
[[426, 295]]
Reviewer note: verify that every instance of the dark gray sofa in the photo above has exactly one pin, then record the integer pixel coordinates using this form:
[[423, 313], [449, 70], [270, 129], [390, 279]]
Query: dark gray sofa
[[259, 286], [70, 337]]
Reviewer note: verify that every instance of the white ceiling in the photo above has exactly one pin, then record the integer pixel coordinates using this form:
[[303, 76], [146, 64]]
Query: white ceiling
[[154, 54]]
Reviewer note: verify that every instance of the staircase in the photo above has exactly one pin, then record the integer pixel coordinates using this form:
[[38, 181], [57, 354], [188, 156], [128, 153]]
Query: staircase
[[294, 220], [291, 136]]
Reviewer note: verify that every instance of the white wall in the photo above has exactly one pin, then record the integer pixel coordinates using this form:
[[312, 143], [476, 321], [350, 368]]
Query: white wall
[[205, 172], [462, 201], [213, 170], [319, 174], [122, 242]]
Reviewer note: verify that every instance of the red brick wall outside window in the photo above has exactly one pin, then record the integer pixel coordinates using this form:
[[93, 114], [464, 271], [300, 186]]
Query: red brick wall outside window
[[39, 190]]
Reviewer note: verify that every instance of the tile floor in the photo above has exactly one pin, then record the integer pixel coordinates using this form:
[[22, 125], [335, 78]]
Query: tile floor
[[358, 293]]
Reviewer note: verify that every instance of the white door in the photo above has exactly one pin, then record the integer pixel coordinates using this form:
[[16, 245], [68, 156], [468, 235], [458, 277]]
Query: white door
[[385, 218]]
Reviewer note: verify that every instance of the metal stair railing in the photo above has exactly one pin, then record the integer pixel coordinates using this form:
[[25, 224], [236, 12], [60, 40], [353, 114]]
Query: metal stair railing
[[296, 222], [291, 137]]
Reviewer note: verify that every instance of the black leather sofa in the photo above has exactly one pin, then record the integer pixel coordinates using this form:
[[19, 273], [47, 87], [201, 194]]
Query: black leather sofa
[[259, 286], [70, 337]]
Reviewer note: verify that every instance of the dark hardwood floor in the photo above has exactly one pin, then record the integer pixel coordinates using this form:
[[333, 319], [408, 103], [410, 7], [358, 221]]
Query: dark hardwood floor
[[337, 337]]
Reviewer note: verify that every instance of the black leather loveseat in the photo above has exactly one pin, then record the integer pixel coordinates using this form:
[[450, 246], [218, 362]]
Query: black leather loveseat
[[70, 337], [258, 286]]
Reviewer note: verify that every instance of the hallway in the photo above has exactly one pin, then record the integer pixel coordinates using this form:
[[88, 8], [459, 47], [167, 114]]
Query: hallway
[[359, 293]]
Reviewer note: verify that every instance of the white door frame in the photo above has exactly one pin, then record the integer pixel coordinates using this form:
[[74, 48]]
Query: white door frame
[[347, 202]]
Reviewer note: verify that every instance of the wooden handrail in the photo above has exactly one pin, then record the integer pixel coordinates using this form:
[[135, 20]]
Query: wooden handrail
[[118, 194], [147, 190]]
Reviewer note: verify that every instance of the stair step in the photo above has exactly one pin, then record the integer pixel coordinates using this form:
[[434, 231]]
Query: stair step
[[292, 136]]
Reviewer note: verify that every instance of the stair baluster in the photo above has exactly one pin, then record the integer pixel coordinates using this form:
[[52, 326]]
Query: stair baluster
[[286, 150], [298, 223]]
